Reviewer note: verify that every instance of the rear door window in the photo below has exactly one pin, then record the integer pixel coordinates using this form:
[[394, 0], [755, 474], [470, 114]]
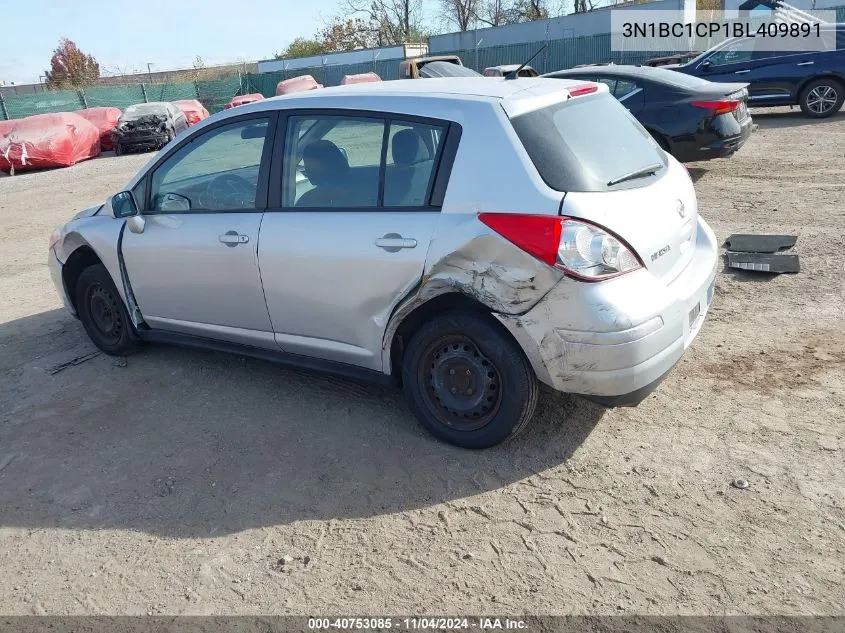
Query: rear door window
[[412, 154], [359, 162], [335, 161], [589, 143]]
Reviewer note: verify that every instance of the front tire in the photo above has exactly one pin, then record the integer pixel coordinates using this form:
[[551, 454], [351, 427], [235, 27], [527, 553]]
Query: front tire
[[118, 149], [467, 382], [822, 98], [103, 313]]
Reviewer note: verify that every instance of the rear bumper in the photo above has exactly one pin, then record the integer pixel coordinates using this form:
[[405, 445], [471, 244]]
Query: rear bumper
[[721, 140], [620, 337]]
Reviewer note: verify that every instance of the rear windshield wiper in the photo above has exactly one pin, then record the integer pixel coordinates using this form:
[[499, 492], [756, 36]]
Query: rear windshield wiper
[[639, 173]]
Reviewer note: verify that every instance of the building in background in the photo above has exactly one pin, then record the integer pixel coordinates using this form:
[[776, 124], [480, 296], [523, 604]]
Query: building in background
[[345, 58]]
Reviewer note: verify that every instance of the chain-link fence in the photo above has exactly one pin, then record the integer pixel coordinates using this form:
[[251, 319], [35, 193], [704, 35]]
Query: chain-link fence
[[559, 54]]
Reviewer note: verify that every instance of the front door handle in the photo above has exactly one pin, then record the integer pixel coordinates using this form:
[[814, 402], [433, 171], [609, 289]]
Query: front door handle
[[742, 72], [233, 238], [393, 242], [805, 63]]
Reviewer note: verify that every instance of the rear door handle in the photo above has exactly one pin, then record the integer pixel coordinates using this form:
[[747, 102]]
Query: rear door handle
[[742, 72], [805, 63], [233, 238], [393, 242]]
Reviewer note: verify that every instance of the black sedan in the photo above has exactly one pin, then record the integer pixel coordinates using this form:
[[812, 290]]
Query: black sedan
[[691, 118]]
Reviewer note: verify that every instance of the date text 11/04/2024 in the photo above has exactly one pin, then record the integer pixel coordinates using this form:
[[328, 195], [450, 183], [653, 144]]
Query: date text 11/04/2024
[[713, 29], [417, 624]]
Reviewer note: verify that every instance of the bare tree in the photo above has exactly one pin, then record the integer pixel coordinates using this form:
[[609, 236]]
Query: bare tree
[[460, 13], [529, 10], [493, 12], [396, 21]]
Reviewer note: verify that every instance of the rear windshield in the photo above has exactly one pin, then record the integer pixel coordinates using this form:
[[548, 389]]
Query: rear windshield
[[589, 143]]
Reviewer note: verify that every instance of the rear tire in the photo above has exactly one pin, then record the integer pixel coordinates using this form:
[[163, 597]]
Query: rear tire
[[822, 98], [118, 149], [467, 382], [103, 313]]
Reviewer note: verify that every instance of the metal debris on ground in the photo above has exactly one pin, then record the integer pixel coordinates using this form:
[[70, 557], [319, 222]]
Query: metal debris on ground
[[761, 253], [764, 262], [70, 363], [746, 243], [741, 484]]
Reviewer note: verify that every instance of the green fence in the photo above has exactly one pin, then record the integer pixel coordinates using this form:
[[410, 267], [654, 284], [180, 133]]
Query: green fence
[[212, 94], [560, 53]]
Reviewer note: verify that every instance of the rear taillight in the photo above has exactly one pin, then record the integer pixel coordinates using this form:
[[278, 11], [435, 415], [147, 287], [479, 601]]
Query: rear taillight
[[725, 106], [582, 89], [580, 249]]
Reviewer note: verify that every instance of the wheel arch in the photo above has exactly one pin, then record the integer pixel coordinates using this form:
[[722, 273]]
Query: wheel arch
[[80, 258], [825, 75], [404, 326]]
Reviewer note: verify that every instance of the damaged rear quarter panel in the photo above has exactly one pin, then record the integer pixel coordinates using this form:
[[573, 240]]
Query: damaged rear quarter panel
[[467, 258]]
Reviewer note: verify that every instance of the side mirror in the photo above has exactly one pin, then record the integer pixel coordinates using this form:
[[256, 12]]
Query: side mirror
[[123, 205], [705, 66]]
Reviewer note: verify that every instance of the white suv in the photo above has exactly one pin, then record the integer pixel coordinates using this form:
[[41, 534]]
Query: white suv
[[466, 238]]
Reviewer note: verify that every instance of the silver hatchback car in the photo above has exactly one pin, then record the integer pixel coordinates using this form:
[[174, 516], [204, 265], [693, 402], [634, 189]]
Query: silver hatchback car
[[466, 238]]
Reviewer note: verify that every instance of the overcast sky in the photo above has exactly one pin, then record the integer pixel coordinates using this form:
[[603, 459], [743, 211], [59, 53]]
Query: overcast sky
[[124, 36]]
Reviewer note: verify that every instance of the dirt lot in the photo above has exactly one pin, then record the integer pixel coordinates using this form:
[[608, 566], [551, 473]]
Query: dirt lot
[[192, 482]]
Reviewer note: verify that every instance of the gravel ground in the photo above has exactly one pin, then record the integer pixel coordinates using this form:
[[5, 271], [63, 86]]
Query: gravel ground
[[189, 482]]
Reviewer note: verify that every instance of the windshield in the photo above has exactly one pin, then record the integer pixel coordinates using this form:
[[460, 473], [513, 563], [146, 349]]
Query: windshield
[[589, 144]]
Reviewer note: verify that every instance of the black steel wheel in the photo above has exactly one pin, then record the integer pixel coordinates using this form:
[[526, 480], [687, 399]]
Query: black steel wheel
[[467, 381], [462, 385], [822, 98], [102, 312]]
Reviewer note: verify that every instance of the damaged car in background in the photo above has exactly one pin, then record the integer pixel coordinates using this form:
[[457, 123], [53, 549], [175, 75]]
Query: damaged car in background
[[147, 126], [467, 246]]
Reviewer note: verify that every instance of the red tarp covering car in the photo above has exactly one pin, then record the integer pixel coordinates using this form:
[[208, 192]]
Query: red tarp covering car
[[297, 84], [6, 127], [363, 78], [48, 140], [244, 99], [105, 119], [193, 110]]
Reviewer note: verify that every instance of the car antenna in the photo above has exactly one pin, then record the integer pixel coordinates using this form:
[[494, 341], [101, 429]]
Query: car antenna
[[514, 74]]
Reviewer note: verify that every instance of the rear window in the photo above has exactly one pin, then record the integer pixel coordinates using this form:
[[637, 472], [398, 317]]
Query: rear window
[[588, 143]]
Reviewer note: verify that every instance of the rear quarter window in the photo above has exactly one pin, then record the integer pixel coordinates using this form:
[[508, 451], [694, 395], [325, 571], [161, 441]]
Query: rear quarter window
[[586, 143]]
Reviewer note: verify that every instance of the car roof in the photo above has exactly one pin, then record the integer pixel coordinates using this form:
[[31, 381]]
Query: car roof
[[448, 88]]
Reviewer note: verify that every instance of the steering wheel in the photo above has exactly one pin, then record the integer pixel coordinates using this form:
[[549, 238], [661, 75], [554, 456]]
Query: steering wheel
[[228, 192]]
